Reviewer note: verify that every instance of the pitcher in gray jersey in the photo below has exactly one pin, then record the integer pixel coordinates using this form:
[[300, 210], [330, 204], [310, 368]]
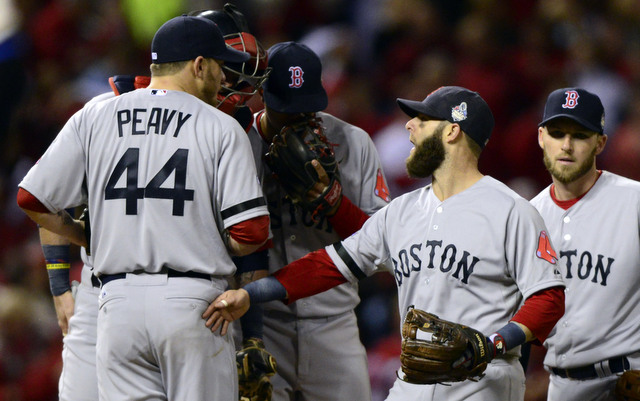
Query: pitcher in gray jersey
[[170, 183], [315, 341], [594, 219], [465, 247]]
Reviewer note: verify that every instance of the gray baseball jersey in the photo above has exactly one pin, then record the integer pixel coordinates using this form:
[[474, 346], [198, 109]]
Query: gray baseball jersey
[[294, 232], [304, 336], [598, 239], [128, 158], [163, 174], [471, 258]]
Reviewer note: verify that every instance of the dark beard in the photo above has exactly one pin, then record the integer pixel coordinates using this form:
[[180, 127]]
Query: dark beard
[[427, 156], [565, 175]]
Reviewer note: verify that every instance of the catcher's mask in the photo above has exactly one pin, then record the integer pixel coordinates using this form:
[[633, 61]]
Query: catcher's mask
[[243, 80]]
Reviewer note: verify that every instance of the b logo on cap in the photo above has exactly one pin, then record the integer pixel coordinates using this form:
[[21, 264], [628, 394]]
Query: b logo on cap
[[571, 101], [296, 77]]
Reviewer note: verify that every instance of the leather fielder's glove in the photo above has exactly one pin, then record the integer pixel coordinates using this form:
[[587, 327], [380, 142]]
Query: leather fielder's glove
[[628, 386], [255, 367], [438, 351], [289, 158]]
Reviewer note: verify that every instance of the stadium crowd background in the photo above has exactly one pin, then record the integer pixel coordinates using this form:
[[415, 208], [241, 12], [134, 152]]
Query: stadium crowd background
[[57, 54]]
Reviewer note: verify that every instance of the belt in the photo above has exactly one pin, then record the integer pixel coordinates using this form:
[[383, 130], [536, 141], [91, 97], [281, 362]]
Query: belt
[[599, 369], [105, 278]]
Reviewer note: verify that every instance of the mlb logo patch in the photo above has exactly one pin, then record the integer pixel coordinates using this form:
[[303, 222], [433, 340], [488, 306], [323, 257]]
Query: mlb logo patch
[[158, 92], [459, 112]]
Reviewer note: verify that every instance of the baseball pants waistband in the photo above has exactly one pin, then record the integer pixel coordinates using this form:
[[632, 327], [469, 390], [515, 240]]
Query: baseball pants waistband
[[105, 278], [599, 369]]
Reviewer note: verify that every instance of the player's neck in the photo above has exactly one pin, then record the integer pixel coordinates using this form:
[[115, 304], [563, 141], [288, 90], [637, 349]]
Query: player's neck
[[577, 188], [448, 182]]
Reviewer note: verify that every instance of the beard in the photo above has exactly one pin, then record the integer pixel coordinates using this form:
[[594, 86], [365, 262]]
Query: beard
[[567, 174], [427, 156]]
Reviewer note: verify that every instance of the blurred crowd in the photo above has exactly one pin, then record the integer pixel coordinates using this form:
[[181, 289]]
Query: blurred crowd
[[57, 54]]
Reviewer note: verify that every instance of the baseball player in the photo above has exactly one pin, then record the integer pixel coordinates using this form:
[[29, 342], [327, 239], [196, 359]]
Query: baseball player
[[172, 192], [593, 218], [465, 247], [315, 341], [77, 315]]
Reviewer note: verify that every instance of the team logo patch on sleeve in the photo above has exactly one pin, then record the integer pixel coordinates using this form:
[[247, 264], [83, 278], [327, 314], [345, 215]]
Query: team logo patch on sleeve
[[381, 188], [545, 251]]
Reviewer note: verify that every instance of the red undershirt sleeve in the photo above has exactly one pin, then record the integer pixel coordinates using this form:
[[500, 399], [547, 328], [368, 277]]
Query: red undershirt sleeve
[[309, 275], [541, 311], [29, 202], [252, 231], [348, 219]]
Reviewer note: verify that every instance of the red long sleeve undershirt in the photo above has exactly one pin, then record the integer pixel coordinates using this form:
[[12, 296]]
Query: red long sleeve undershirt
[[348, 219]]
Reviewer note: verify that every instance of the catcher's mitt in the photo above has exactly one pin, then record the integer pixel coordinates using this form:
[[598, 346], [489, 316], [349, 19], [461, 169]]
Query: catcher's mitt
[[289, 158], [255, 367], [628, 386], [439, 351]]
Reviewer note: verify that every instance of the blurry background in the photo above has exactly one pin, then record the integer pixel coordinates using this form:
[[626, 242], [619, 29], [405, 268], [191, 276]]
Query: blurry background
[[57, 54]]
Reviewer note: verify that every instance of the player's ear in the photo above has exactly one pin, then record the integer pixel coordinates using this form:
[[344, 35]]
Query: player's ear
[[602, 141], [198, 66], [540, 132], [452, 133]]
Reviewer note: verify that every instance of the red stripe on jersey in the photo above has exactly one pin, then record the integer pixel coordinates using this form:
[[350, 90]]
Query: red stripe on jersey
[[348, 219], [309, 275], [252, 231], [541, 311], [30, 202]]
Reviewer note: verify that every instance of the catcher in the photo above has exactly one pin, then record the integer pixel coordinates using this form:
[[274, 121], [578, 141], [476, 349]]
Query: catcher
[[322, 178], [464, 248]]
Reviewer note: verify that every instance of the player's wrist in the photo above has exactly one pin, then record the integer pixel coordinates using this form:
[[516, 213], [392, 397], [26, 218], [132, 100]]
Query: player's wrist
[[508, 337], [265, 290], [57, 259]]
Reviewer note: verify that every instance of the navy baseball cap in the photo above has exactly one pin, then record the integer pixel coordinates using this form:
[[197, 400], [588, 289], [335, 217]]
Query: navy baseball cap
[[295, 83], [187, 37], [577, 104], [456, 105]]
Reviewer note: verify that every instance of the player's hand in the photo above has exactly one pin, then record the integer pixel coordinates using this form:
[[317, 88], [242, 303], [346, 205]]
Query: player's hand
[[323, 183], [229, 306], [64, 310]]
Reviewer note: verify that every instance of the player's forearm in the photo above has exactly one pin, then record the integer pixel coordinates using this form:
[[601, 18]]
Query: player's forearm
[[307, 276], [50, 238], [239, 249], [60, 223], [540, 313]]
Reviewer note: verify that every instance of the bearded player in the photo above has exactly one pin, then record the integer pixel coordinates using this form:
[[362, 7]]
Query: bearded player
[[465, 247]]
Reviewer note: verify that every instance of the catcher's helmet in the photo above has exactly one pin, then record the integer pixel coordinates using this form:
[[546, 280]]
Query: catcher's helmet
[[243, 79]]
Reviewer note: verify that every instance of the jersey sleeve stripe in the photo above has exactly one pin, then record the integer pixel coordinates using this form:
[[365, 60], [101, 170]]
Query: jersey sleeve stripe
[[348, 260], [241, 207]]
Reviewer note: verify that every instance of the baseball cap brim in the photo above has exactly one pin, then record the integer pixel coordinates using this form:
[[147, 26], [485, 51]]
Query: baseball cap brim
[[412, 108], [231, 55], [309, 103], [579, 120]]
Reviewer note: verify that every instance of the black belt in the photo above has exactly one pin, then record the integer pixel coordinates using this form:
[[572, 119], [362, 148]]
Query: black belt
[[105, 278], [598, 369]]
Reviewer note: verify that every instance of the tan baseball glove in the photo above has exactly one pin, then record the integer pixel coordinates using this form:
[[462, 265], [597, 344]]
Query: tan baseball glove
[[628, 386], [438, 351]]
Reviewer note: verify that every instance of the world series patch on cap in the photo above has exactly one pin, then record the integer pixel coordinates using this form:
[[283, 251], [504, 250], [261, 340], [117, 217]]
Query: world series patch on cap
[[576, 104]]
